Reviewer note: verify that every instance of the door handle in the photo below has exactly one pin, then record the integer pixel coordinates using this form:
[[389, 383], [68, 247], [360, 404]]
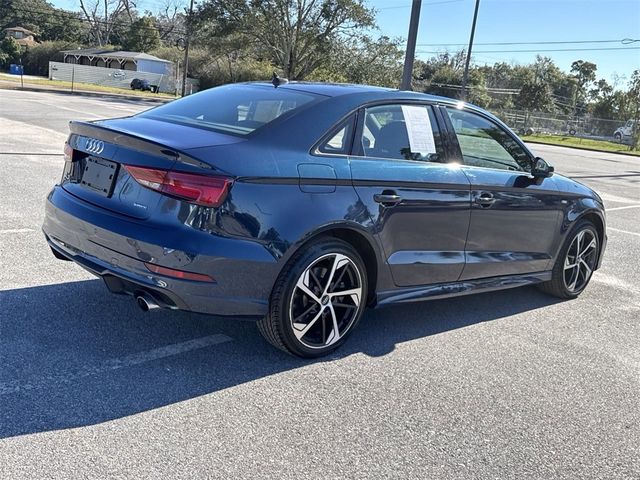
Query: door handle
[[388, 197], [485, 199]]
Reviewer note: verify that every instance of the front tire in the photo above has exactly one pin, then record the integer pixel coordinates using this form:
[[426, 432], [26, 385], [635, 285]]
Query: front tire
[[575, 263], [317, 300]]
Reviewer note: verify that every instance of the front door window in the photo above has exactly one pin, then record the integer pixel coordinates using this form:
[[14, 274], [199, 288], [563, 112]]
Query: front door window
[[485, 144]]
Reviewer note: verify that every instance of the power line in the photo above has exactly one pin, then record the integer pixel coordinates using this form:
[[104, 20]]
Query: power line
[[67, 15], [504, 91], [429, 3], [540, 51], [624, 41]]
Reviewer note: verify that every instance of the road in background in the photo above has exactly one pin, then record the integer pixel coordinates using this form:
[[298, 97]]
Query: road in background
[[512, 384]]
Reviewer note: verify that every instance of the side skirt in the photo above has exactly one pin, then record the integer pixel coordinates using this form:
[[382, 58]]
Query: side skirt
[[454, 289]]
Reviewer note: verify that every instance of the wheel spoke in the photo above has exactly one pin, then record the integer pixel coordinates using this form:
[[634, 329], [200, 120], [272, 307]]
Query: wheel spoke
[[591, 245], [344, 293], [315, 278], [338, 261], [304, 314], [586, 268], [301, 332], [568, 265], [334, 334], [572, 287], [302, 286], [343, 305], [355, 294], [579, 243], [339, 279]]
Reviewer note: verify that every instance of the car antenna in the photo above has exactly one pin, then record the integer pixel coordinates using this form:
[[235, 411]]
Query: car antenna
[[277, 81]]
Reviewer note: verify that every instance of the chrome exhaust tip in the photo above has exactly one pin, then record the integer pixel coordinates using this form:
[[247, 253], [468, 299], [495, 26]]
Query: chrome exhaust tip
[[146, 302]]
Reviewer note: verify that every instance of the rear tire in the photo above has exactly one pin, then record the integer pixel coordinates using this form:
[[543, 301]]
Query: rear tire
[[318, 299], [575, 263]]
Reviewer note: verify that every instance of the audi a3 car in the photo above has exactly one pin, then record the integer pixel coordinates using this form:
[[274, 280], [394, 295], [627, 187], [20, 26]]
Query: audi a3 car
[[301, 205]]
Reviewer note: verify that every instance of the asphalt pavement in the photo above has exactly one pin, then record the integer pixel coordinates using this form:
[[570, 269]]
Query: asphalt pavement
[[512, 384]]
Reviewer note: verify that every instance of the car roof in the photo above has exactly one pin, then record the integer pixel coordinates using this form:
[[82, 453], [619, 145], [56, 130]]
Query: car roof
[[339, 89]]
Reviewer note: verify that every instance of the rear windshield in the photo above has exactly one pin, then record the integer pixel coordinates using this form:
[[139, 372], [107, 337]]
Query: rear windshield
[[235, 109]]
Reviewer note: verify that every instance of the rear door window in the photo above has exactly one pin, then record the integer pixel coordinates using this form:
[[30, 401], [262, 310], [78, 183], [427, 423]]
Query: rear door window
[[402, 132]]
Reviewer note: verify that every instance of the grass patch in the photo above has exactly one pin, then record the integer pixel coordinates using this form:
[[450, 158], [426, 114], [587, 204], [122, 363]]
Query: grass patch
[[88, 87], [577, 142]]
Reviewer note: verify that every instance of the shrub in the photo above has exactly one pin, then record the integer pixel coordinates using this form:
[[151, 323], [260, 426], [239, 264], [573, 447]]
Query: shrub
[[36, 59]]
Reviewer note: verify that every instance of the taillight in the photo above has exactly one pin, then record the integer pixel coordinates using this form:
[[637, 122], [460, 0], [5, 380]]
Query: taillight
[[199, 189], [68, 163], [68, 153]]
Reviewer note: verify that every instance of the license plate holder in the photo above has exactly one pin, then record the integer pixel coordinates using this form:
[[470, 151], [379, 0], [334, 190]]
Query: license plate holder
[[99, 175]]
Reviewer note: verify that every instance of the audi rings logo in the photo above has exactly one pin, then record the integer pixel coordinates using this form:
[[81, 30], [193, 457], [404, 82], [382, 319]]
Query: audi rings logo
[[92, 145]]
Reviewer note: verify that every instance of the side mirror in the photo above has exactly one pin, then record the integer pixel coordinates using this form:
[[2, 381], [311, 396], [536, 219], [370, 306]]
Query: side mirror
[[541, 169]]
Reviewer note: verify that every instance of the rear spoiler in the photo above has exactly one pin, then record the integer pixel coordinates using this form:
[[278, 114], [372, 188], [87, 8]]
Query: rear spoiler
[[128, 140]]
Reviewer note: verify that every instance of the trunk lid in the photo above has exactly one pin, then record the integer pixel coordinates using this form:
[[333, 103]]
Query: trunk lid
[[96, 173]]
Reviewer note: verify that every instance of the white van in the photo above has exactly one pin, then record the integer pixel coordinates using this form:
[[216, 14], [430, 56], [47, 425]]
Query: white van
[[624, 132]]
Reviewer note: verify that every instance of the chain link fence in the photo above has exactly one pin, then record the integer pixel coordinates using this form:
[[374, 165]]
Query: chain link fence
[[532, 123]]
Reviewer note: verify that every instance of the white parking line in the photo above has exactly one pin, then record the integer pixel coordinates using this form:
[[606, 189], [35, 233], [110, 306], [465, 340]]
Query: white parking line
[[623, 231], [622, 208], [607, 197], [132, 360], [17, 230]]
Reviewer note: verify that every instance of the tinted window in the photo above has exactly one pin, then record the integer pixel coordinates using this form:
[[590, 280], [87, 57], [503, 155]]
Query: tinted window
[[237, 109], [485, 144], [402, 132], [339, 139]]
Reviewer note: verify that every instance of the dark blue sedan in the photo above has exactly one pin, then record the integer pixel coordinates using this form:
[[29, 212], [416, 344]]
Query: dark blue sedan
[[302, 204]]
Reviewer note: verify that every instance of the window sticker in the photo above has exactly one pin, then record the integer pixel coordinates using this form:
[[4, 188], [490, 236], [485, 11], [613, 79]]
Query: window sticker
[[419, 129]]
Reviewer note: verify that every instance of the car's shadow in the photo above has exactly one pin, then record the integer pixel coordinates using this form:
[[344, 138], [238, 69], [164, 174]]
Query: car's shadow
[[66, 350]]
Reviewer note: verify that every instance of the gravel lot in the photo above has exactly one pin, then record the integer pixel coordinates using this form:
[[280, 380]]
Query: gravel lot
[[512, 384]]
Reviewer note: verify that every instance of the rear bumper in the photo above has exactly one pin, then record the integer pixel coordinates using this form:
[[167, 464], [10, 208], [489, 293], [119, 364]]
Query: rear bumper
[[116, 248]]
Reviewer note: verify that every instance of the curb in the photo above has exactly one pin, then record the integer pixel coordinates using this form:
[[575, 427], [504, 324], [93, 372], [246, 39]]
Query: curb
[[87, 93], [575, 147]]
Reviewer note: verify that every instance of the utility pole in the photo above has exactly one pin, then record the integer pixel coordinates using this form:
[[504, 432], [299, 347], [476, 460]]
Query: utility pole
[[466, 65], [410, 54], [185, 65]]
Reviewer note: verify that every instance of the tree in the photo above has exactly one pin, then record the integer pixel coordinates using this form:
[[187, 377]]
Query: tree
[[171, 22], [142, 35], [535, 96], [36, 59], [10, 51], [634, 100], [442, 75], [584, 74], [296, 35], [363, 60], [105, 17], [478, 92], [47, 22]]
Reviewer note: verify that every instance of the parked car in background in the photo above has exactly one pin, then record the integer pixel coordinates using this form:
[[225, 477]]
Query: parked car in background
[[304, 204], [144, 85], [625, 132]]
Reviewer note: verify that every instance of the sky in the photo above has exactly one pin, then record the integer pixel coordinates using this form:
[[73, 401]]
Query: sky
[[449, 22]]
